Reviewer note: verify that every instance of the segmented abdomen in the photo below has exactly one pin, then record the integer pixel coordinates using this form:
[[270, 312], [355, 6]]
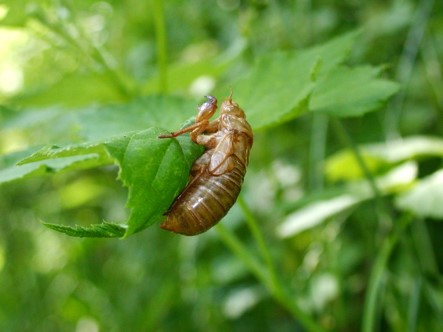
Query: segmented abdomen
[[205, 202]]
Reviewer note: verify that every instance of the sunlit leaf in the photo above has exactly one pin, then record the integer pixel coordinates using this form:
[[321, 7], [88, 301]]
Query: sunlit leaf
[[314, 214], [17, 15], [55, 152], [412, 147], [425, 198], [50, 166], [53, 159], [381, 156], [397, 179], [343, 165]]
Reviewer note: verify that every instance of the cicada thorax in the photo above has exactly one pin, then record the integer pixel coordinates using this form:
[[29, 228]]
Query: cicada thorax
[[217, 176]]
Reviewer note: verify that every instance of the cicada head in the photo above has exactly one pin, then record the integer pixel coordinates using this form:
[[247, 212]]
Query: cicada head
[[231, 107]]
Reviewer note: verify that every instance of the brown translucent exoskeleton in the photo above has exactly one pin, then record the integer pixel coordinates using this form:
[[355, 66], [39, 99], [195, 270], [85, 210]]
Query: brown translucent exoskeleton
[[217, 176]]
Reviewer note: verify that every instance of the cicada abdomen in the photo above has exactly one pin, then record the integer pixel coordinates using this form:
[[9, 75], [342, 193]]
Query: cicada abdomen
[[217, 176]]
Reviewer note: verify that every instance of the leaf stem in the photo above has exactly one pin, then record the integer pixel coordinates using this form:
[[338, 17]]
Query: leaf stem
[[162, 50]]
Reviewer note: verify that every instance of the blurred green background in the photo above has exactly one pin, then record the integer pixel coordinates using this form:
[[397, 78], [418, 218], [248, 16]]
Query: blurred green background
[[348, 270]]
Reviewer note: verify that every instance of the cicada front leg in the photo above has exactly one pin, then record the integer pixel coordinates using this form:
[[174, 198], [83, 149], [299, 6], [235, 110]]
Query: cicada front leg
[[196, 128], [202, 123]]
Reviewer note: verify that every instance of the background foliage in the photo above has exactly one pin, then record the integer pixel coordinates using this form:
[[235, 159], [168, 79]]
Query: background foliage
[[339, 224]]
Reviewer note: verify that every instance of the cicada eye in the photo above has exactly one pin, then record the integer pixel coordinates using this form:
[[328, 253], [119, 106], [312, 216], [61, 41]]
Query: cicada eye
[[208, 108], [211, 99]]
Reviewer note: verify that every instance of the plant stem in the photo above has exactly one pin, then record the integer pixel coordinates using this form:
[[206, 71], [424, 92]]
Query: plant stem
[[381, 210], [317, 150], [162, 51], [268, 278], [259, 238], [414, 304], [240, 250], [422, 244]]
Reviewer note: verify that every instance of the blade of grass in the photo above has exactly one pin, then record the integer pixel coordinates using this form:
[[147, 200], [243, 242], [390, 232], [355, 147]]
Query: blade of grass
[[406, 65], [414, 305], [377, 276]]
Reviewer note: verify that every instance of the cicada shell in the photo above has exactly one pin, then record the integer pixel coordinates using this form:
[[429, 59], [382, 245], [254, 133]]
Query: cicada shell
[[217, 176]]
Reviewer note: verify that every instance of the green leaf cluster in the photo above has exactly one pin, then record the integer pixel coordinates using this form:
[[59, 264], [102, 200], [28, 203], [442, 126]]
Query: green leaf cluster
[[277, 89]]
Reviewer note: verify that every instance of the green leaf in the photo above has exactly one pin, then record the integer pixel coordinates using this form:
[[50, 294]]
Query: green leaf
[[102, 122], [104, 229], [55, 152], [276, 90], [54, 159], [282, 86], [351, 91], [50, 166], [425, 198], [154, 170]]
